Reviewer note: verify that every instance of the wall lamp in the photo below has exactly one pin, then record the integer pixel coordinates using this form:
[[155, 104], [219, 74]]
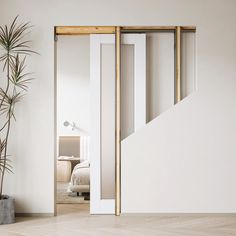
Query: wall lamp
[[72, 125]]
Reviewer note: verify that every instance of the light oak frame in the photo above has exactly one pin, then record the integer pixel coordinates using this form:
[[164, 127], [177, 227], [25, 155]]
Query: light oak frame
[[118, 30]]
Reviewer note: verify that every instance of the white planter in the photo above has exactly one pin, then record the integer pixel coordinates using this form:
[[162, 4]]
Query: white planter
[[7, 210]]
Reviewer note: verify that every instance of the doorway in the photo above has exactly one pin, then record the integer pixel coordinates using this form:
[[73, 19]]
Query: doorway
[[73, 123], [86, 115]]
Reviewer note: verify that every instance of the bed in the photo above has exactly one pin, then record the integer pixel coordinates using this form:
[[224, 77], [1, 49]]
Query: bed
[[72, 147], [80, 178]]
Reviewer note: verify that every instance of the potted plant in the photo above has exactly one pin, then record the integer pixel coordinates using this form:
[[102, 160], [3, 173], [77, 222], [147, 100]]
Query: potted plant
[[14, 49]]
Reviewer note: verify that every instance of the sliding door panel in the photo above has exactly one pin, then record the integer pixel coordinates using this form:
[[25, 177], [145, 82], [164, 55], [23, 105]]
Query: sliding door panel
[[133, 106], [102, 77]]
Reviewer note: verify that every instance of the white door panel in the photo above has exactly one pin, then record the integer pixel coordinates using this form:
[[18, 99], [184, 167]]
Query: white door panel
[[102, 74]]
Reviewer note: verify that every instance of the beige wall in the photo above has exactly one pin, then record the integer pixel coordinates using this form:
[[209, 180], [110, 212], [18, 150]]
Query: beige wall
[[186, 158]]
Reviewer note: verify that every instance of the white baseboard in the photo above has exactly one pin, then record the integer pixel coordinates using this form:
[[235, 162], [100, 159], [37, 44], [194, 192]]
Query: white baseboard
[[179, 214]]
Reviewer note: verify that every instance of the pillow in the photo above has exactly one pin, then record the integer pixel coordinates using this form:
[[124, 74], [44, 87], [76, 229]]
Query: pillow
[[63, 157], [84, 164]]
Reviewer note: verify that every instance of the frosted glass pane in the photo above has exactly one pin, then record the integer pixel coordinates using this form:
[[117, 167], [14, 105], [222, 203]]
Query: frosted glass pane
[[127, 90], [107, 121]]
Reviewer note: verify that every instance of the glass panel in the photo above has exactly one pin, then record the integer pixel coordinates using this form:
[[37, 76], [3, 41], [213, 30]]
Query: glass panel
[[108, 121], [127, 90]]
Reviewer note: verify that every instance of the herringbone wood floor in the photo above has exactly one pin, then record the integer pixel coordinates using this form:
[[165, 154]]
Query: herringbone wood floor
[[74, 220]]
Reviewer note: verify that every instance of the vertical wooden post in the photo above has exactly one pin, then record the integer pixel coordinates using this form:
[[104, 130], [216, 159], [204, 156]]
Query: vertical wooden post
[[178, 64], [118, 136], [55, 122]]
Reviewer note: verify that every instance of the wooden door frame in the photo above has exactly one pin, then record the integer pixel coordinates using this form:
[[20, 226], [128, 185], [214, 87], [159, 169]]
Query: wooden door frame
[[118, 30]]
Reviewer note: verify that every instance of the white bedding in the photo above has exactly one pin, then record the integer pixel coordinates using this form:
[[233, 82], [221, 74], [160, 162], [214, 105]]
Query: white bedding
[[81, 174]]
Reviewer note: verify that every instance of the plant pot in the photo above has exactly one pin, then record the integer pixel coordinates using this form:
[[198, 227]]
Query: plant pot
[[7, 210]]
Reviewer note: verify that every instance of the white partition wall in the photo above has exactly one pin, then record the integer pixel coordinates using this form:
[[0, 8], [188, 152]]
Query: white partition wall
[[176, 170]]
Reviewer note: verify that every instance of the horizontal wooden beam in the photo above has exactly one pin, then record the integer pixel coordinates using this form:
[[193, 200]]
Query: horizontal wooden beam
[[157, 27], [143, 29], [83, 30], [78, 30]]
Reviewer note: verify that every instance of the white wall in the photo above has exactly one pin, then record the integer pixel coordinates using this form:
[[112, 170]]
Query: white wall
[[73, 90], [188, 66], [199, 133], [160, 73]]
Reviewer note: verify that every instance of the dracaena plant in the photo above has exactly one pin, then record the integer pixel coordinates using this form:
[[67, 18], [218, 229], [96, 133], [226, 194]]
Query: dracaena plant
[[14, 82]]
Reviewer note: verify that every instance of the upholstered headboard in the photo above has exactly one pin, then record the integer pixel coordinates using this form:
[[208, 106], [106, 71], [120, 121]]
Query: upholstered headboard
[[69, 146]]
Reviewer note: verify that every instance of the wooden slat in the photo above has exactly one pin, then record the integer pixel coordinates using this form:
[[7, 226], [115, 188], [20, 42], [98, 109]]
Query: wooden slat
[[178, 64], [155, 28], [118, 129], [78, 30]]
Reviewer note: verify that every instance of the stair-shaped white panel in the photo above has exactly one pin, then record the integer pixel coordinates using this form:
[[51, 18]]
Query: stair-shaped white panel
[[184, 160]]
